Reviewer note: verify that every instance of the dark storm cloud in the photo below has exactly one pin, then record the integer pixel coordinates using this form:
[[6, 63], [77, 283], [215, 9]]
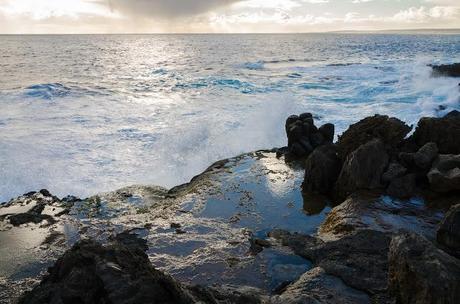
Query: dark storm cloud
[[167, 8]]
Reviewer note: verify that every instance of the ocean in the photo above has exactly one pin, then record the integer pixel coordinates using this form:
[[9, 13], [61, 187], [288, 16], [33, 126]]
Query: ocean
[[82, 114]]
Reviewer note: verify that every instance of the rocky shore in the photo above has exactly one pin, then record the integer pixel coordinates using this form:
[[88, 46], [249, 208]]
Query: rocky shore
[[373, 217]]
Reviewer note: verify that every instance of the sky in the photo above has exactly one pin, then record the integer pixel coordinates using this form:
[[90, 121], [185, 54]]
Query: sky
[[223, 16]]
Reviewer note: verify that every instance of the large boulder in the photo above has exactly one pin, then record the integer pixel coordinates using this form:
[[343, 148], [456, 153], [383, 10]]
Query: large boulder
[[117, 273], [444, 176], [420, 273], [322, 169], [448, 235], [444, 131], [451, 70], [391, 131], [363, 169]]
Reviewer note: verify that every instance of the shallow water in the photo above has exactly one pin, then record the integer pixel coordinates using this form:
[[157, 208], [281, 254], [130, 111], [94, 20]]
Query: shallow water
[[85, 114]]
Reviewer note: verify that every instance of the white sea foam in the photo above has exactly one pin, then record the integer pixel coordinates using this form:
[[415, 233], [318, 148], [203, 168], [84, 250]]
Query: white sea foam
[[94, 121]]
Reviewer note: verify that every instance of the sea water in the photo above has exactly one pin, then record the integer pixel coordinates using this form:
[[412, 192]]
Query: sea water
[[81, 114]]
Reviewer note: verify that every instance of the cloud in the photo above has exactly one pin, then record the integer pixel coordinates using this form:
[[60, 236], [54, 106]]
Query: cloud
[[423, 14], [167, 8]]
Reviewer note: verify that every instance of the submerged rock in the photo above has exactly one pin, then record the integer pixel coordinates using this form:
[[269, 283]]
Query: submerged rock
[[444, 176], [421, 273], [391, 131], [448, 234], [444, 131], [363, 169], [322, 169], [451, 70]]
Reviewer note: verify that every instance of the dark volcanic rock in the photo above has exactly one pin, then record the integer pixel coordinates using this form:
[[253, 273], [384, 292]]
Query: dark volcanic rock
[[328, 131], [393, 171], [303, 136], [321, 170], [360, 259], [445, 132], [34, 215], [118, 273], [449, 231], [426, 155], [316, 286], [367, 211], [451, 70], [121, 272], [403, 187], [444, 176], [421, 273], [363, 169], [390, 130]]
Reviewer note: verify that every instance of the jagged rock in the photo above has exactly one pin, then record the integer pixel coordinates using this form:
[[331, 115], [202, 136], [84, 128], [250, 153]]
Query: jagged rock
[[391, 131], [393, 171], [451, 70], [403, 187], [363, 169], [421, 273], [444, 176], [321, 170], [304, 136], [316, 287], [426, 155], [289, 121], [363, 211], [448, 234], [444, 131], [360, 259], [328, 130], [117, 273]]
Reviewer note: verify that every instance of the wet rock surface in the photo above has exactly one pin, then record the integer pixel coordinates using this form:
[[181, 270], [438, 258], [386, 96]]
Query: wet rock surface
[[257, 228], [316, 286], [221, 214], [359, 259], [367, 211]]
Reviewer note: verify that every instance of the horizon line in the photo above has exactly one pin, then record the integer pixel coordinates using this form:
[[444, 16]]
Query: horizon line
[[246, 33]]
